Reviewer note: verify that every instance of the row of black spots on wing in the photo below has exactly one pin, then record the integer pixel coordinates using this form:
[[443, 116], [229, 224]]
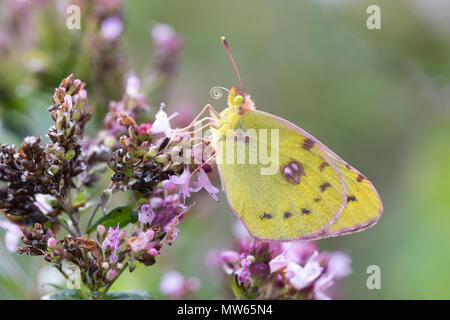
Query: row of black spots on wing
[[288, 214], [265, 216]]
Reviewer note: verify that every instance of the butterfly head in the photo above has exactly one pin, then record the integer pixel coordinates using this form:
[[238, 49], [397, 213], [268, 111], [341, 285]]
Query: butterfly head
[[239, 102]]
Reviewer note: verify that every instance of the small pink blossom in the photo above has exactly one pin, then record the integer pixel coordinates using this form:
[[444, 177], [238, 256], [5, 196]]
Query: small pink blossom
[[182, 180], [51, 242], [171, 230], [12, 236], [101, 229], [111, 27], [156, 202], [213, 259], [204, 182], [68, 101], [300, 277], [150, 234], [133, 85], [229, 256], [243, 274], [162, 122], [111, 274], [299, 251], [278, 263], [163, 35], [139, 243], [146, 214], [112, 241], [339, 265], [42, 202], [174, 285], [144, 128], [321, 286], [142, 241]]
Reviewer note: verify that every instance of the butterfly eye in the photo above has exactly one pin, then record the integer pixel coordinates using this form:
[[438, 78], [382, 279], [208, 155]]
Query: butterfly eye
[[238, 99]]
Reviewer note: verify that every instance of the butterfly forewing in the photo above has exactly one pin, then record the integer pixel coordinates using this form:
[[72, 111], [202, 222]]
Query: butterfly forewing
[[300, 200]]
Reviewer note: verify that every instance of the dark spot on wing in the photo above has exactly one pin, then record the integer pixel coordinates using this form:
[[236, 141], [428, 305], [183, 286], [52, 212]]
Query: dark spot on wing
[[266, 216], [308, 144], [323, 166], [351, 198], [287, 215], [305, 211], [317, 199], [247, 139], [360, 178], [324, 186], [292, 171]]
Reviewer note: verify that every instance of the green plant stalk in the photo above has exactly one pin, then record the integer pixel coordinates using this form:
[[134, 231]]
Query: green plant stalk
[[81, 292], [102, 296]]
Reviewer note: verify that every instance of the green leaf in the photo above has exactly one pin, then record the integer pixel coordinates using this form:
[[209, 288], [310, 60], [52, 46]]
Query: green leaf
[[236, 288], [65, 294], [128, 295], [80, 200], [122, 215], [56, 286]]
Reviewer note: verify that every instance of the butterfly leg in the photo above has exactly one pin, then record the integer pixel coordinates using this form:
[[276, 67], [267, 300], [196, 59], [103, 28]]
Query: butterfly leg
[[207, 107]]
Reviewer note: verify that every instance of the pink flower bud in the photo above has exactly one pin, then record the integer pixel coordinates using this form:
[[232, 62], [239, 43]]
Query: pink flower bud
[[122, 234], [156, 202], [150, 234], [144, 128], [51, 242], [152, 252], [101, 229], [111, 274], [230, 256]]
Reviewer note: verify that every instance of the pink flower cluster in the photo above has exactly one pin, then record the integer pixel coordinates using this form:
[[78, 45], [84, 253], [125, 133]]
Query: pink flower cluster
[[291, 270], [176, 286]]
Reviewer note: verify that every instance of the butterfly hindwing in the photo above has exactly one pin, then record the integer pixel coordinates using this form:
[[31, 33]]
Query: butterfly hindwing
[[363, 207], [303, 197]]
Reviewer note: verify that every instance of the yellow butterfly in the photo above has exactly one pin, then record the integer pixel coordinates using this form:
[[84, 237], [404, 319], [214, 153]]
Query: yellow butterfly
[[310, 194]]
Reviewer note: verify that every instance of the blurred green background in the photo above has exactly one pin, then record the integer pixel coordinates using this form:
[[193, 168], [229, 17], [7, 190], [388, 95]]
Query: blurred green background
[[378, 98]]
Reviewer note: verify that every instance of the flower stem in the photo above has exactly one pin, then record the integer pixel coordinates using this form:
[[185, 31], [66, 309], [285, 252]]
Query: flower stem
[[92, 217], [102, 296], [81, 292], [62, 224]]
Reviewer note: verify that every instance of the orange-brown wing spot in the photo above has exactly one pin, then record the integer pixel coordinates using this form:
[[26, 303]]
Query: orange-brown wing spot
[[360, 178]]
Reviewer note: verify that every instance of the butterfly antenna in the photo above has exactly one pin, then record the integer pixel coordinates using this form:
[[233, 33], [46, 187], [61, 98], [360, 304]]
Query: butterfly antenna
[[225, 44]]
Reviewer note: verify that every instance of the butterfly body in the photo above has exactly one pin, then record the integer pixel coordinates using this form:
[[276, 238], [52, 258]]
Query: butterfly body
[[309, 194]]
